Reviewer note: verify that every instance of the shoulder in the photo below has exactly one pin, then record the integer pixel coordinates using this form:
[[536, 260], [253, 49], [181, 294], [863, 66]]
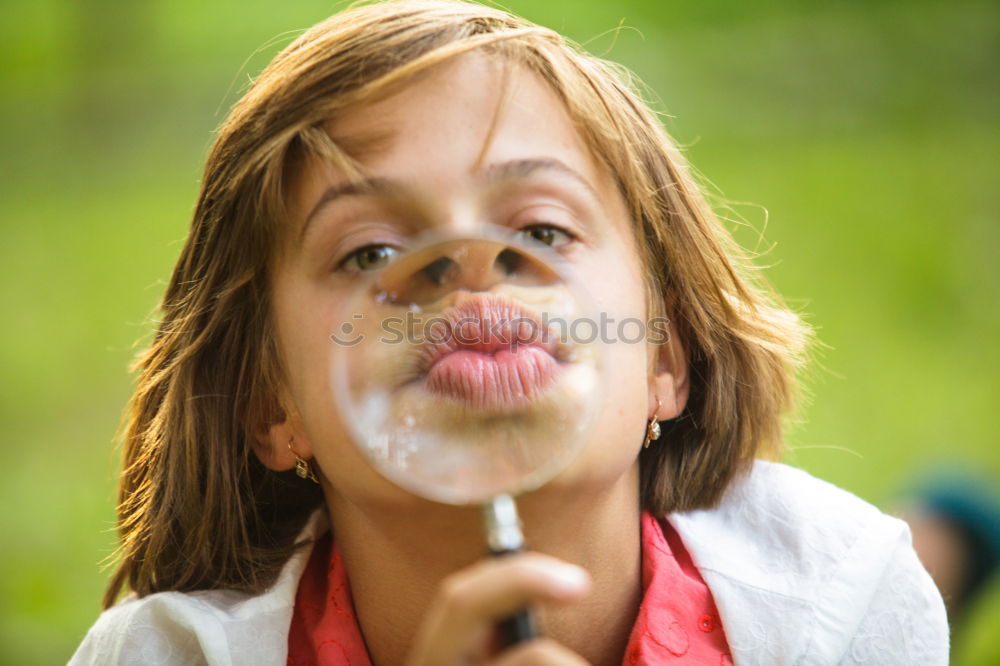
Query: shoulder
[[162, 628], [779, 527], [204, 627], [210, 627], [805, 572]]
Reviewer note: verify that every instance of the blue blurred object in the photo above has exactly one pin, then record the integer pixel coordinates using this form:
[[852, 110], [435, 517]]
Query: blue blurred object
[[970, 502]]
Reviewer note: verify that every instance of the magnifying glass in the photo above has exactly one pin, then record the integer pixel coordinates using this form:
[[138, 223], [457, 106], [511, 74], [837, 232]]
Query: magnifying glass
[[462, 381]]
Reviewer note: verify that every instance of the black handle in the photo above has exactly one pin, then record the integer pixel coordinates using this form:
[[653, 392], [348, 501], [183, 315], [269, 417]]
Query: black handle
[[519, 627]]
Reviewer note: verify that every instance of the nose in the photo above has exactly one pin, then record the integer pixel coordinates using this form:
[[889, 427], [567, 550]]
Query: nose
[[475, 266], [426, 275]]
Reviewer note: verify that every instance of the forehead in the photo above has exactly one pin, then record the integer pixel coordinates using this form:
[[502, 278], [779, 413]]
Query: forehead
[[444, 126]]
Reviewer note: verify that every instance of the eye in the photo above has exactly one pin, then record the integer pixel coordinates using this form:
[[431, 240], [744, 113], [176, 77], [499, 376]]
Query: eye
[[369, 258], [547, 234]]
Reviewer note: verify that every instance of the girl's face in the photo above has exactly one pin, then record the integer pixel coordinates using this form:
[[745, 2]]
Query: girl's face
[[453, 149]]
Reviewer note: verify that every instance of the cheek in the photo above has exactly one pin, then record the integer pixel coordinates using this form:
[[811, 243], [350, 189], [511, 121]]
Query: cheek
[[304, 325], [617, 430], [306, 318], [615, 433]]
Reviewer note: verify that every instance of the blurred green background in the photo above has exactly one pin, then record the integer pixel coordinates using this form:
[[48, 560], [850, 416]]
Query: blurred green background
[[854, 143]]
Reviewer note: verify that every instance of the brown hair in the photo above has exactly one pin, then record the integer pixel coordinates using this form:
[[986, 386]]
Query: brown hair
[[198, 510]]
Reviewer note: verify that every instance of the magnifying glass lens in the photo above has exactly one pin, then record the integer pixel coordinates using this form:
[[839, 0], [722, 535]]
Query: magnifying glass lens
[[462, 380]]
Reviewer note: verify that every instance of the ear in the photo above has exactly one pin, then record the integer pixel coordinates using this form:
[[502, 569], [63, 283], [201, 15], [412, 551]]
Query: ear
[[669, 382], [278, 442]]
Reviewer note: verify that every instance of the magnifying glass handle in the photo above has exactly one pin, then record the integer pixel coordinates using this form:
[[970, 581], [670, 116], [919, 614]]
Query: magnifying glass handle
[[503, 533], [520, 626]]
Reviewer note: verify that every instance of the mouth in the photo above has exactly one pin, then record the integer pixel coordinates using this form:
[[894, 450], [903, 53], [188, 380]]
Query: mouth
[[488, 353]]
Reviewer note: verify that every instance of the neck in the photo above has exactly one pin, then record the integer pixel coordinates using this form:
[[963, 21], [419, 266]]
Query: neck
[[396, 559]]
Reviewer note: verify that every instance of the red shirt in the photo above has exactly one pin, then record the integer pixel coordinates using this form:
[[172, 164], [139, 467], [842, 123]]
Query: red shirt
[[677, 621]]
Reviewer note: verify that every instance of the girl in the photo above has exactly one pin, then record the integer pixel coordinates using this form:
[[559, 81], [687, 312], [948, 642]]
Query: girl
[[666, 539]]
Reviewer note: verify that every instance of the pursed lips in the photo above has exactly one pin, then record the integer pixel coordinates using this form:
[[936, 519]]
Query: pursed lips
[[488, 352]]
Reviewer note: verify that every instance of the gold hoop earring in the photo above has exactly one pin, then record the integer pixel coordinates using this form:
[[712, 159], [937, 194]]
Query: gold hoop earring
[[302, 467], [653, 427]]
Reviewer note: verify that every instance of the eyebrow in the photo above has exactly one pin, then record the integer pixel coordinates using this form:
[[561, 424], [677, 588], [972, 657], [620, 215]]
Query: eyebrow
[[495, 173]]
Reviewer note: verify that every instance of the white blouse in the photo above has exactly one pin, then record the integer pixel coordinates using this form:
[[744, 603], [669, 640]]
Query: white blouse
[[801, 572]]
